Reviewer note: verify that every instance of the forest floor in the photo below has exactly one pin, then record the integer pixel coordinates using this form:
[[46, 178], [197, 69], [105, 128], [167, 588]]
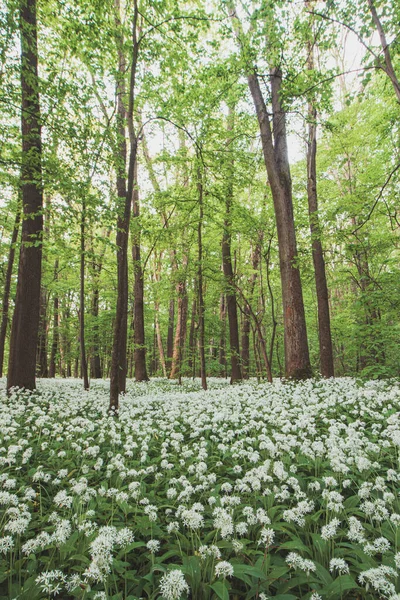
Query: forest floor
[[288, 490]]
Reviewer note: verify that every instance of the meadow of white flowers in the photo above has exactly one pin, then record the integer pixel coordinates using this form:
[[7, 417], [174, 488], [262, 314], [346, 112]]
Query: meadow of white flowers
[[284, 491]]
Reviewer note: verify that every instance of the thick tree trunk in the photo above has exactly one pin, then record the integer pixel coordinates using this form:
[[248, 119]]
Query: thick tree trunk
[[7, 286], [24, 331], [297, 360], [125, 196], [55, 343], [274, 145], [200, 281]]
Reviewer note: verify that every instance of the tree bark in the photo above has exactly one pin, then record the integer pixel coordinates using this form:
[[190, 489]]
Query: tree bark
[[140, 342], [274, 145], [200, 281], [388, 68], [125, 196], [231, 304], [55, 343], [82, 303], [246, 310], [181, 323], [324, 324], [24, 330], [7, 286]]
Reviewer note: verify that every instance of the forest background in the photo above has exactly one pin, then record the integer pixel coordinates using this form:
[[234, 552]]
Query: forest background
[[151, 182]]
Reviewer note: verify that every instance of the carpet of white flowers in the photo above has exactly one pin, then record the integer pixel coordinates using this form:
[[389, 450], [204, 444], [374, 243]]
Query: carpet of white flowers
[[283, 491]]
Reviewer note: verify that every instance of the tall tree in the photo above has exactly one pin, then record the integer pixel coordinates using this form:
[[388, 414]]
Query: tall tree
[[125, 196], [324, 323], [275, 152], [7, 287], [24, 331], [231, 304]]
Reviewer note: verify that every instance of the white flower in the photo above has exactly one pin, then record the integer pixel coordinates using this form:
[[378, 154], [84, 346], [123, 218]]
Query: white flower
[[339, 565], [173, 585], [153, 546], [329, 531], [224, 569], [6, 543]]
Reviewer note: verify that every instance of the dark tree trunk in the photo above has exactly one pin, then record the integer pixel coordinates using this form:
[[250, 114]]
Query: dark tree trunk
[[200, 281], [140, 342], [24, 331], [82, 303], [7, 286], [230, 294], [54, 345], [170, 334], [95, 363], [42, 369], [125, 196], [297, 360], [324, 324], [222, 339], [192, 335]]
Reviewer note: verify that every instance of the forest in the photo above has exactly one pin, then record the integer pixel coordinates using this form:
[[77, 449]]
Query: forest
[[199, 277]]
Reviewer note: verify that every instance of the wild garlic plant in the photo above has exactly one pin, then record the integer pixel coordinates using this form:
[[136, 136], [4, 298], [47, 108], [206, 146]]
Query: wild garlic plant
[[284, 490]]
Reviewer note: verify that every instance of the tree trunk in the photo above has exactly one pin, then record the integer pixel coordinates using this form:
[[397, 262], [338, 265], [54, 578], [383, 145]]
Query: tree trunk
[[388, 67], [200, 281], [7, 286], [231, 305], [24, 330], [181, 323], [274, 145], [54, 345], [192, 335], [140, 343], [246, 310], [297, 360], [125, 196], [324, 324], [82, 303], [222, 339]]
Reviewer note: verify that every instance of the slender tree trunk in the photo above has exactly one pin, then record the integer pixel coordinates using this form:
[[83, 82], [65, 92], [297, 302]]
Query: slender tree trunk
[[157, 278], [170, 335], [55, 343], [95, 358], [388, 66], [200, 281], [192, 334], [222, 339], [7, 286], [324, 324], [246, 310], [140, 343], [24, 330], [181, 323], [82, 303], [231, 304]]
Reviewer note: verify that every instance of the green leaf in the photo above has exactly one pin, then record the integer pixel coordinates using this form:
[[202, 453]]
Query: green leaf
[[221, 589]]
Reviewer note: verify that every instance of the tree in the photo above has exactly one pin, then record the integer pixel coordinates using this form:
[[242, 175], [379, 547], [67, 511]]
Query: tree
[[24, 332], [275, 152]]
